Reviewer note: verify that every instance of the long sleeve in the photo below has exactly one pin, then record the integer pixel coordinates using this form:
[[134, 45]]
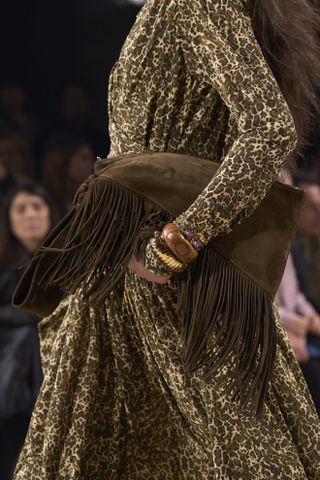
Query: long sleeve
[[220, 49]]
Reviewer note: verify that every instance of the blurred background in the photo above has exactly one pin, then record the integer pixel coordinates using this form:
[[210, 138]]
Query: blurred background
[[58, 56], [55, 61]]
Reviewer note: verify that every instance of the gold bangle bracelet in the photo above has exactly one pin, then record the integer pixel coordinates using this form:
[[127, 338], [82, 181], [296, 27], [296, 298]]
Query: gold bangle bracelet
[[169, 261]]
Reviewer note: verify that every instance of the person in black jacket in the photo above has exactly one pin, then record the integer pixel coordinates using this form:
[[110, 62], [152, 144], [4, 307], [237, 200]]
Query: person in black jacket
[[28, 216]]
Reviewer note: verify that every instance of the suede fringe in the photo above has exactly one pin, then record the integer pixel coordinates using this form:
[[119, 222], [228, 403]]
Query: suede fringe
[[226, 317], [109, 225]]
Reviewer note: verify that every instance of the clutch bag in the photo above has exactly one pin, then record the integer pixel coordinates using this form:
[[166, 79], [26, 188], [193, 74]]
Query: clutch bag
[[225, 298]]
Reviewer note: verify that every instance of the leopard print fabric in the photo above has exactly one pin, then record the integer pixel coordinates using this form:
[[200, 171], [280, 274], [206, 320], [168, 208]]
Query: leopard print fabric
[[116, 402], [192, 79], [226, 56]]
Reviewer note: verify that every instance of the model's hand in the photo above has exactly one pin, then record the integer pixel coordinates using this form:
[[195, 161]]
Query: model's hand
[[138, 267]]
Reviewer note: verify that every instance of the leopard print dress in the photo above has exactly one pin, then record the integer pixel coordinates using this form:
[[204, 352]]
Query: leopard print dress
[[115, 402]]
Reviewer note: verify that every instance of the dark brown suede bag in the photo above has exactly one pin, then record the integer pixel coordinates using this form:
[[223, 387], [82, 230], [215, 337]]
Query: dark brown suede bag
[[225, 298]]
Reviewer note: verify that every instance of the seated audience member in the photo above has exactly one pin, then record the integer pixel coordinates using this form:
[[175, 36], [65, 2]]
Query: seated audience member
[[13, 111], [68, 162], [75, 116], [306, 245], [28, 216], [302, 323], [15, 162]]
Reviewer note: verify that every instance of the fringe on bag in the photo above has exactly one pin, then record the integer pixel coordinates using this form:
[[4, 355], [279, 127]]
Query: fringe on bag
[[226, 317], [224, 314], [108, 226]]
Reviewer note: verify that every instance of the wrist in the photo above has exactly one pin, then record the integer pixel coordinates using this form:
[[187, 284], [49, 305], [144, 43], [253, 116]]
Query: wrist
[[183, 245], [159, 260], [196, 238], [177, 244]]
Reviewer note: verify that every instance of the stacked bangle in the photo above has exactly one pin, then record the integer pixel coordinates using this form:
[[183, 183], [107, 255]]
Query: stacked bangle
[[165, 255], [181, 247], [171, 262], [174, 248], [193, 239]]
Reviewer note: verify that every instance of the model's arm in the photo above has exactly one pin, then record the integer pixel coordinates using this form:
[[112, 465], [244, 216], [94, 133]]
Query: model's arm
[[220, 49]]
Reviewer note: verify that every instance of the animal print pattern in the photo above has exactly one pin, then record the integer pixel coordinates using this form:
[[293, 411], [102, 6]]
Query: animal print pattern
[[231, 62], [116, 402], [226, 56]]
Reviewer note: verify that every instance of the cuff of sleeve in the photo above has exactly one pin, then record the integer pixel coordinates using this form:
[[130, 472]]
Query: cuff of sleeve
[[197, 239]]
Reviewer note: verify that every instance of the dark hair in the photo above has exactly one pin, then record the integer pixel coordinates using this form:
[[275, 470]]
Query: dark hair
[[22, 145], [287, 31], [8, 242]]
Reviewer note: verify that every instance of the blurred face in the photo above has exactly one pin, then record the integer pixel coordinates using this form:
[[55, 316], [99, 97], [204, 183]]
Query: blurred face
[[81, 164], [29, 217], [10, 156], [74, 103], [309, 219], [12, 98]]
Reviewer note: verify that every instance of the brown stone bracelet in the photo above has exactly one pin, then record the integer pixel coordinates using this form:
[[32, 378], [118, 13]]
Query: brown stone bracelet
[[178, 244]]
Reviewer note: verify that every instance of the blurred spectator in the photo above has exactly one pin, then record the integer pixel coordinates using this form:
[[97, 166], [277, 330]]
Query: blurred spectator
[[15, 161], [302, 323], [15, 154], [68, 161], [301, 319], [29, 214], [75, 116], [13, 113], [295, 311], [306, 245]]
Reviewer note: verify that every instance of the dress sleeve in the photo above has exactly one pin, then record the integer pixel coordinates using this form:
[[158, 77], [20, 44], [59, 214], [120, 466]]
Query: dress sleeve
[[219, 47]]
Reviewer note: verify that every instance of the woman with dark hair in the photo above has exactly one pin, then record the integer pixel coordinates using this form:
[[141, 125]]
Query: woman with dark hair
[[228, 81], [29, 214]]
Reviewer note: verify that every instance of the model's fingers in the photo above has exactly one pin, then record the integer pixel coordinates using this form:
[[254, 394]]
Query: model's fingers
[[138, 267]]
